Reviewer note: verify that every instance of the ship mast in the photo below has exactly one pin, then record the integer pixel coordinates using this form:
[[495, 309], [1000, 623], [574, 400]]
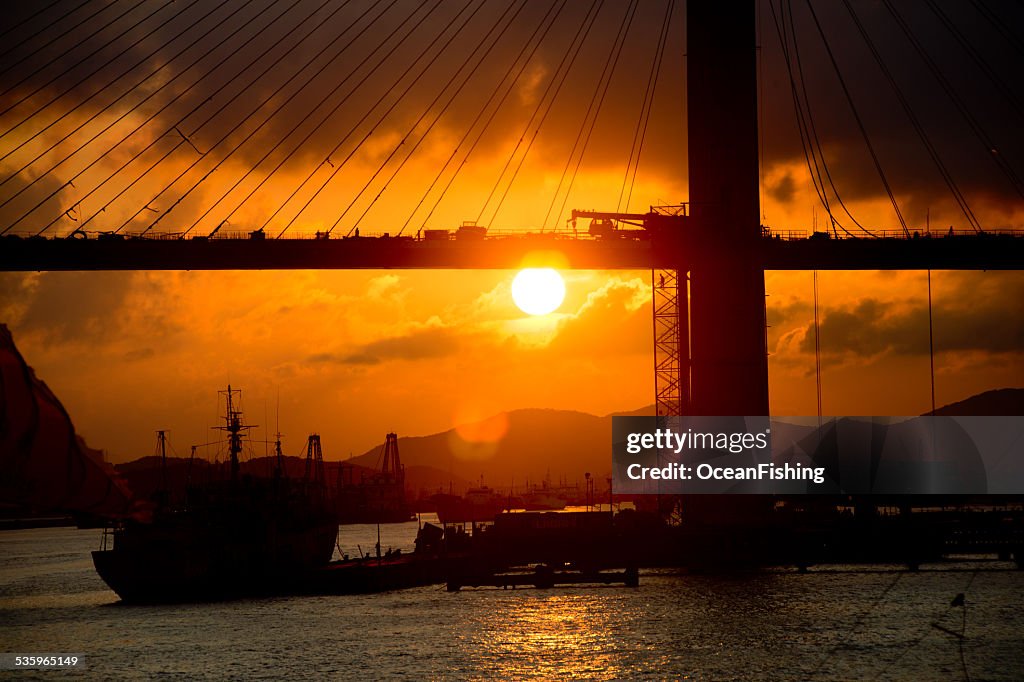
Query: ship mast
[[279, 466], [234, 427], [163, 495], [161, 444]]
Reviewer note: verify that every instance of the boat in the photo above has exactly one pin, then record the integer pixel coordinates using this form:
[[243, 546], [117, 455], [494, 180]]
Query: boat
[[545, 497], [540, 500], [479, 504], [242, 536]]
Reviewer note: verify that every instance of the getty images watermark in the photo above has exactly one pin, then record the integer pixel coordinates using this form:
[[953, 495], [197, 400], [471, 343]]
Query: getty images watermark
[[831, 455]]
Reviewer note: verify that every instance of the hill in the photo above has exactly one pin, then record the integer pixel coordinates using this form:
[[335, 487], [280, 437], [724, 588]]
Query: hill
[[146, 475], [1002, 402], [513, 447], [516, 447]]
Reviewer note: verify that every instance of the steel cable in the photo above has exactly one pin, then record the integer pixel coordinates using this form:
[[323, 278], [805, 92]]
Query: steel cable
[[80, 147], [92, 73], [574, 49], [451, 99], [269, 117], [254, 78], [483, 128]]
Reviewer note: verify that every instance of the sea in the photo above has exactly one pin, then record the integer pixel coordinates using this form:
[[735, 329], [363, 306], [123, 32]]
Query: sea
[[831, 623]]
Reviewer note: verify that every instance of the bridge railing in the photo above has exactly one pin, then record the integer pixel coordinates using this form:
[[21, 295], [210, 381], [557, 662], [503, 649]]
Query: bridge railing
[[626, 235], [501, 233], [800, 235]]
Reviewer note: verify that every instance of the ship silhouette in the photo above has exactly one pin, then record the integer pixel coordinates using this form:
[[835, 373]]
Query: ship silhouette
[[242, 536]]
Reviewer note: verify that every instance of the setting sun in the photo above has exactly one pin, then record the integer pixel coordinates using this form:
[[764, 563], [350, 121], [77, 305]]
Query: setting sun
[[538, 291]]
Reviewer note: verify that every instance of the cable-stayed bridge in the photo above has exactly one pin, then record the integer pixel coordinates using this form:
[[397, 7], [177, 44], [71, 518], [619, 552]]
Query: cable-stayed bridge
[[140, 135], [996, 251]]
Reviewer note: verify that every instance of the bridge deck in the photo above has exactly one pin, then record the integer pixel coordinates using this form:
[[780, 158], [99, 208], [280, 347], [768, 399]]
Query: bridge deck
[[976, 252]]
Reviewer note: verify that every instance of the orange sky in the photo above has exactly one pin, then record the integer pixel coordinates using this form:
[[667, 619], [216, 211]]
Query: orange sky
[[355, 354]]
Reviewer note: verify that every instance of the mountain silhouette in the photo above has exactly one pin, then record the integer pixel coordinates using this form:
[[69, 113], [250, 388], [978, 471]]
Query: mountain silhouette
[[514, 447], [531, 445], [1002, 402]]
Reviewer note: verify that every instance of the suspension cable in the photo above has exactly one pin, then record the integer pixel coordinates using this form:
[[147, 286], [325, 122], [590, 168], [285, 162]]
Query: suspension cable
[[309, 134], [42, 8], [35, 51], [931, 343], [354, 128], [557, 82], [108, 84], [978, 59], [252, 168], [483, 129], [506, 78], [915, 122], [817, 348], [990, 147], [269, 117], [92, 73], [798, 108], [857, 118], [610, 64], [640, 132], [281, 141], [327, 158], [999, 26], [176, 126], [526, 44], [810, 129], [430, 106], [80, 147]]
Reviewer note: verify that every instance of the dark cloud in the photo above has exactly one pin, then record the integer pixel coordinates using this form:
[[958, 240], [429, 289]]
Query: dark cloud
[[226, 96], [783, 189], [139, 354], [426, 344], [20, 195], [977, 320], [781, 314], [77, 306], [361, 52], [91, 308], [903, 155]]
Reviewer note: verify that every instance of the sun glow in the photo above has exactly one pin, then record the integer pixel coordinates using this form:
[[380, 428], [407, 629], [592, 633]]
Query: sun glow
[[538, 291]]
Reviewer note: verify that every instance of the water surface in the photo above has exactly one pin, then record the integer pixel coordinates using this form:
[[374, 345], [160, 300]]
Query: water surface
[[830, 624]]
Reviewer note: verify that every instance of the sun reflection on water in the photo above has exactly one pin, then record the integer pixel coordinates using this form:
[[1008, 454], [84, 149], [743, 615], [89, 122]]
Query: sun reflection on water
[[556, 636]]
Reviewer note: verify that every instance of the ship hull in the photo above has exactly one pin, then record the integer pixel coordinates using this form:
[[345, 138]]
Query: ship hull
[[173, 567], [468, 513]]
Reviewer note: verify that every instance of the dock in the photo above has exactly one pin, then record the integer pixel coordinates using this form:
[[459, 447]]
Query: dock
[[544, 577]]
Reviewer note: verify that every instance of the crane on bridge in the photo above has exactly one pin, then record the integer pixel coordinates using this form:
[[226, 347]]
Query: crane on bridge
[[669, 298], [605, 225]]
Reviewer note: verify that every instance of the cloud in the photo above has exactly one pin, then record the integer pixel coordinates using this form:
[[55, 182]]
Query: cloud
[[270, 60], [23, 193], [872, 327], [380, 287], [424, 344], [193, 99], [915, 178], [73, 306], [613, 320], [783, 189]]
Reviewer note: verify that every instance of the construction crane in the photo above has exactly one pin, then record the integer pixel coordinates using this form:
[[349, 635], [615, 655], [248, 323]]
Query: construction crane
[[660, 220], [669, 297]]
